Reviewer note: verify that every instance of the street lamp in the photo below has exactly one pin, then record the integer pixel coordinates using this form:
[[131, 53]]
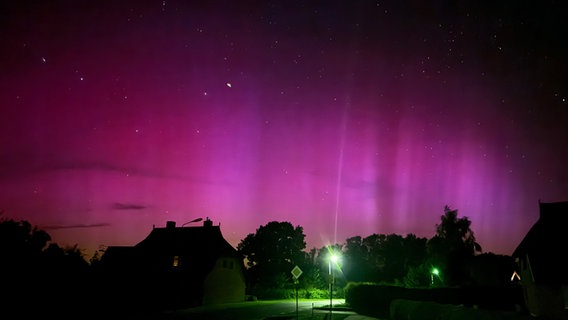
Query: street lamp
[[333, 258], [433, 272], [194, 220]]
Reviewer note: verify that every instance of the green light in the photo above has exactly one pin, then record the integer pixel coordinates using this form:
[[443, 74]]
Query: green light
[[433, 272]]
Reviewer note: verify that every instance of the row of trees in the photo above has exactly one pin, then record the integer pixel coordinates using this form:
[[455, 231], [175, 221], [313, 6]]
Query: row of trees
[[37, 275], [30, 258], [452, 257]]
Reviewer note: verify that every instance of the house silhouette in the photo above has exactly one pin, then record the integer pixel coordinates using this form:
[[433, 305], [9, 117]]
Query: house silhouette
[[540, 261], [175, 267]]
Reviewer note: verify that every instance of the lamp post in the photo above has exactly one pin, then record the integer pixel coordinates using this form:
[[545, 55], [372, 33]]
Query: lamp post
[[433, 272], [333, 258]]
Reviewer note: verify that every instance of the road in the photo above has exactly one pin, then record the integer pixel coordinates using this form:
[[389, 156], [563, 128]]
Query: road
[[263, 310]]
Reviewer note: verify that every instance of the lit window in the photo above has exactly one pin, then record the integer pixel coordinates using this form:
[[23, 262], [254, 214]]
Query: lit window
[[177, 261]]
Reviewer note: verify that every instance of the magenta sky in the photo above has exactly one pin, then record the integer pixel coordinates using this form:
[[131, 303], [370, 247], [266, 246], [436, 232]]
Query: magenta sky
[[344, 119]]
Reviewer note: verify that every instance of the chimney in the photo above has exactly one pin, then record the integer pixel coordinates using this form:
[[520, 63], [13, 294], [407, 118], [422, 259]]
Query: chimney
[[170, 224], [207, 223]]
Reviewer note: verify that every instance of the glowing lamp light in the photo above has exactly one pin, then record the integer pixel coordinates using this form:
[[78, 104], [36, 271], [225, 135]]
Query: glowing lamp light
[[334, 258], [433, 272]]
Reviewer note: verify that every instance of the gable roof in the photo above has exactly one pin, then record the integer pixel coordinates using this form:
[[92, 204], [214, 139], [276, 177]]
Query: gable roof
[[201, 242], [198, 248], [545, 244]]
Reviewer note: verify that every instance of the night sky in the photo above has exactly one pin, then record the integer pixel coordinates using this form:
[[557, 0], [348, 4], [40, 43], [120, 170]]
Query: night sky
[[347, 118]]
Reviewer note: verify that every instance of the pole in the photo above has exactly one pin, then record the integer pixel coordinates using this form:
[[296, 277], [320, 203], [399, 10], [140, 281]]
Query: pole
[[330, 288], [296, 283]]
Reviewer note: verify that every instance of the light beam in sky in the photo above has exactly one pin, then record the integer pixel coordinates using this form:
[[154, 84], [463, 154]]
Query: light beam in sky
[[343, 130]]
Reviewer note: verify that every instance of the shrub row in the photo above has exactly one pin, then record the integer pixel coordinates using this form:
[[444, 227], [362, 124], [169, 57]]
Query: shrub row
[[375, 300]]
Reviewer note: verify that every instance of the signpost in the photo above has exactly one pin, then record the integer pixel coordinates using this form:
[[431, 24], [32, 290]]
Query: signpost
[[296, 273]]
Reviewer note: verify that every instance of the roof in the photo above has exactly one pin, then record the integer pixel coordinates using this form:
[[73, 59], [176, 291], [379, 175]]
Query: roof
[[545, 244], [198, 247], [199, 241]]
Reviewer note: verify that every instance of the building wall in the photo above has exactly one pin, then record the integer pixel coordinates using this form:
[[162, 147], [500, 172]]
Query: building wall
[[225, 283]]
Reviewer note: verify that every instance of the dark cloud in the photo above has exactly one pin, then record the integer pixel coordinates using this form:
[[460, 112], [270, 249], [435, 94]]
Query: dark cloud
[[127, 206], [75, 226]]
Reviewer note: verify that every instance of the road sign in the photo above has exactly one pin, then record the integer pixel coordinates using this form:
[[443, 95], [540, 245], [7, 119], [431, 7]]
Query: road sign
[[296, 272]]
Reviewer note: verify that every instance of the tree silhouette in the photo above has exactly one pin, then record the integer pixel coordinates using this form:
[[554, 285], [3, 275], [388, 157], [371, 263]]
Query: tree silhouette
[[21, 246], [382, 258], [31, 267], [452, 247], [356, 265], [272, 252]]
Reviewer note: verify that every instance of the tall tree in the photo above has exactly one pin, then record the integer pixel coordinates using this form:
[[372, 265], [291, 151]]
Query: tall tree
[[356, 266], [376, 260], [272, 252], [452, 246], [393, 253]]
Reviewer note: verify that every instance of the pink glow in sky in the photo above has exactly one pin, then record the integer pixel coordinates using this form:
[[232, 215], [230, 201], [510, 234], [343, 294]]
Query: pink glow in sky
[[346, 119]]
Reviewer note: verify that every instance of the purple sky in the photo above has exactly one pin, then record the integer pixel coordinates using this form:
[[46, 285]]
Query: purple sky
[[346, 118]]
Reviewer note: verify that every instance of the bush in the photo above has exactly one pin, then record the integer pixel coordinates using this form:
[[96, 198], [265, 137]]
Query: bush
[[315, 294], [279, 293], [274, 293]]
